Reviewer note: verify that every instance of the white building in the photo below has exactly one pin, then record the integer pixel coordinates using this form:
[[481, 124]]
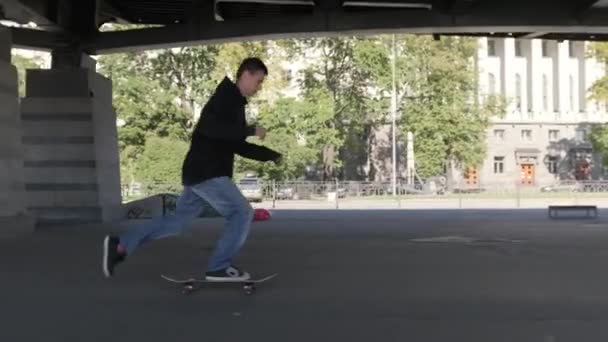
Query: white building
[[543, 135]]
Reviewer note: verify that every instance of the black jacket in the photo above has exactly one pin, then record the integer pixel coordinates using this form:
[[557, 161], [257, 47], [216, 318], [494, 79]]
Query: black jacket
[[219, 134]]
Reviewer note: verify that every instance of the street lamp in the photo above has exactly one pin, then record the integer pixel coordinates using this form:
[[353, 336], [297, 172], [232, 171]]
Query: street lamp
[[394, 116]]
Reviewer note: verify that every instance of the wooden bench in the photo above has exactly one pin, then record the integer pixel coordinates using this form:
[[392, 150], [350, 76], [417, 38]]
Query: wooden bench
[[590, 210]]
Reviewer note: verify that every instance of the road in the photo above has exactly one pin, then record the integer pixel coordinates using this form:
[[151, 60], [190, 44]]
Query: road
[[348, 275]]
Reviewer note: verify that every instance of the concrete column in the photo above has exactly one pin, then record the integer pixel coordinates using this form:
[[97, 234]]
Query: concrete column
[[507, 54], [535, 76], [71, 146], [582, 78], [561, 78], [13, 220], [520, 68]]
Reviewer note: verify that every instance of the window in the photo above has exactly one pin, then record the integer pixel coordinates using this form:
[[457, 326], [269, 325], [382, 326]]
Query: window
[[491, 47], [552, 164], [471, 176], [545, 93], [518, 92], [491, 84], [499, 134], [545, 48], [571, 93], [581, 135], [553, 135], [288, 75], [518, 51], [499, 165], [526, 135], [571, 51]]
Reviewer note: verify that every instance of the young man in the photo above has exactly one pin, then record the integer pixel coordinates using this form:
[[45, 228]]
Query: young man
[[207, 176]]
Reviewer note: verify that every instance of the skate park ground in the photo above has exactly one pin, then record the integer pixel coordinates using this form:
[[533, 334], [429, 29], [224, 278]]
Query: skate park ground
[[346, 275]]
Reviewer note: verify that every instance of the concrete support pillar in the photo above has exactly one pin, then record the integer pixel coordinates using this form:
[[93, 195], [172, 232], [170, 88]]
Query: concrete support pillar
[[13, 220], [581, 60], [71, 146], [561, 79], [535, 77], [564, 80], [507, 55]]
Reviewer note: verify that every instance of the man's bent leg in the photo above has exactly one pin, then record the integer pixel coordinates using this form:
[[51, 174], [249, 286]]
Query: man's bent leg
[[116, 248], [228, 200], [188, 207]]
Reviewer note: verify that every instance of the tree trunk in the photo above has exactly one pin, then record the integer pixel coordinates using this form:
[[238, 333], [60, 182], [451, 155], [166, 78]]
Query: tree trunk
[[450, 175], [329, 155]]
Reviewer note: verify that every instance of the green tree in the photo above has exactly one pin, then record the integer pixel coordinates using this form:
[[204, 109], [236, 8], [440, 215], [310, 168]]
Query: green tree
[[188, 72], [293, 131], [599, 89], [599, 92], [333, 82], [444, 108], [144, 106], [159, 166], [599, 140], [436, 93], [142, 103]]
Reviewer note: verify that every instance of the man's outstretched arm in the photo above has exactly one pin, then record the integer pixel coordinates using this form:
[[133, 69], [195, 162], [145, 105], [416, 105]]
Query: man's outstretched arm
[[256, 152]]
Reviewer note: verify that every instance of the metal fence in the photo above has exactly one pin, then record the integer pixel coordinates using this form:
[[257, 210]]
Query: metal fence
[[355, 194]]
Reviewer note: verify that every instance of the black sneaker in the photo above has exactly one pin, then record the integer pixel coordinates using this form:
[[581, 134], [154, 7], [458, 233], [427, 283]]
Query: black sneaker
[[228, 274], [111, 257]]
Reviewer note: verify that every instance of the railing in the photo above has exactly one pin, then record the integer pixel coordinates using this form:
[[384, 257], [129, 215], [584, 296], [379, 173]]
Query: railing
[[355, 194]]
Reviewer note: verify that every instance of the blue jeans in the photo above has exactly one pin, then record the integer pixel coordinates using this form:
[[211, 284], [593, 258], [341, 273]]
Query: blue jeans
[[223, 195]]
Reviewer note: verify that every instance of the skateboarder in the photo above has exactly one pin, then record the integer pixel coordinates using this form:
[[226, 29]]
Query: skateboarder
[[207, 175]]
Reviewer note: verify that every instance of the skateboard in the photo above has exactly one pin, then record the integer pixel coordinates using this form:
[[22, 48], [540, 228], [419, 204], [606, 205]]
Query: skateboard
[[190, 285]]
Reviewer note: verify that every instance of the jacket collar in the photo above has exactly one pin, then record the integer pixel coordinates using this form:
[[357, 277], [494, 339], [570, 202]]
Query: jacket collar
[[230, 86]]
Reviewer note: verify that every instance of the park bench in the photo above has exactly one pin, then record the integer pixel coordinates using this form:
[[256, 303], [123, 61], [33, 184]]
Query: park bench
[[590, 210]]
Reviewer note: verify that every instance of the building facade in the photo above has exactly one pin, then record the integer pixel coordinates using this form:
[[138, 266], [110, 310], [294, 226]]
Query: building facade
[[542, 137]]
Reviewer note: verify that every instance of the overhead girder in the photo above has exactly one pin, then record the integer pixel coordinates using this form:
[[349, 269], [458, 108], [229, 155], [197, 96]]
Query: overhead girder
[[76, 22]]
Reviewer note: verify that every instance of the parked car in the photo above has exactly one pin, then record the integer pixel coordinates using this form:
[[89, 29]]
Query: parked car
[[284, 193], [563, 187], [251, 188]]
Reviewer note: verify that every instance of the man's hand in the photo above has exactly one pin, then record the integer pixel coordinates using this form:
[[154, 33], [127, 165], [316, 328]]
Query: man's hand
[[260, 132], [278, 161]]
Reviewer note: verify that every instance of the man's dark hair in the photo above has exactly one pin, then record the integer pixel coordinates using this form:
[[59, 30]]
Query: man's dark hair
[[252, 64]]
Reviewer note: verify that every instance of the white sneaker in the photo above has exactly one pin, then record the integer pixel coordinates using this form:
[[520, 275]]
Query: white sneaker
[[229, 274]]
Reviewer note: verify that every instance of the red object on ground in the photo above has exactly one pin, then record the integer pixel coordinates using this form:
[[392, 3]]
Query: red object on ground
[[261, 215]]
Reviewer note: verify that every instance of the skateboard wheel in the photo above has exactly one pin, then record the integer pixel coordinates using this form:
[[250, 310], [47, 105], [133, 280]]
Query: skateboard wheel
[[249, 289], [187, 289]]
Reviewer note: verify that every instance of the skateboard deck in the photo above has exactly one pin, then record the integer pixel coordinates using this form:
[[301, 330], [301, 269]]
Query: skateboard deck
[[192, 284]]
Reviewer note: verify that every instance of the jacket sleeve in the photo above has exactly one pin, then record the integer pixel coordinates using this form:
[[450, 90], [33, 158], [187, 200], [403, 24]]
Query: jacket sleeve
[[250, 130], [256, 152]]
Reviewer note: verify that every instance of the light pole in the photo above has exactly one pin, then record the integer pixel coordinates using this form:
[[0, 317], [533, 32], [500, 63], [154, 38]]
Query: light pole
[[394, 116]]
